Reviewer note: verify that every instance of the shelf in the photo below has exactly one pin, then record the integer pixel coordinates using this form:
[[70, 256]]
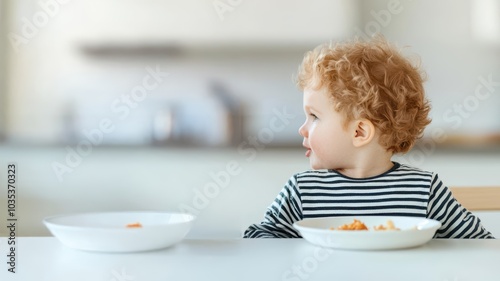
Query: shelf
[[176, 50]]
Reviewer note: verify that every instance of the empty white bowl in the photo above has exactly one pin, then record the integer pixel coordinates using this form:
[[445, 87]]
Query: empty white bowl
[[109, 231]]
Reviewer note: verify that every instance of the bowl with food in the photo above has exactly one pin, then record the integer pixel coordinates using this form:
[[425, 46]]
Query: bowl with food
[[368, 232], [120, 231]]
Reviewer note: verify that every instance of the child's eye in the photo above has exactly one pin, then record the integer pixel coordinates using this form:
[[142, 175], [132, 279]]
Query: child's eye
[[313, 116]]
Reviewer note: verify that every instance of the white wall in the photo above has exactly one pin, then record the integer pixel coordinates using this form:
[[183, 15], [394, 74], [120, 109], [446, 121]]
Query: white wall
[[3, 68], [440, 33], [50, 72]]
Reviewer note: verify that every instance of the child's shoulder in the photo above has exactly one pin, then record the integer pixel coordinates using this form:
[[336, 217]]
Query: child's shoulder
[[398, 169], [316, 174], [314, 178], [318, 177], [405, 168]]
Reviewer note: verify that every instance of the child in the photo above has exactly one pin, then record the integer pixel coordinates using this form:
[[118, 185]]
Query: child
[[363, 102]]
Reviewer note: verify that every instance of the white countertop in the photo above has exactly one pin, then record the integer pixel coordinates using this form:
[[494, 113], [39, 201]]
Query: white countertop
[[45, 258]]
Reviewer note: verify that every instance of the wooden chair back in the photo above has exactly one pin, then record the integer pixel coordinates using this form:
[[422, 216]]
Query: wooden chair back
[[478, 198]]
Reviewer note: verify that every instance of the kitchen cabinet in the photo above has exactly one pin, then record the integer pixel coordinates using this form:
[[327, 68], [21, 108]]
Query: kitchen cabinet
[[219, 22]]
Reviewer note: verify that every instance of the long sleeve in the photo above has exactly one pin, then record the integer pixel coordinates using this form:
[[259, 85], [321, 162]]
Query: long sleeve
[[280, 215], [457, 221]]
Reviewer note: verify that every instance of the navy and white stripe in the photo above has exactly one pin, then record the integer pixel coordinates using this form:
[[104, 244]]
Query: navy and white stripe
[[401, 191]]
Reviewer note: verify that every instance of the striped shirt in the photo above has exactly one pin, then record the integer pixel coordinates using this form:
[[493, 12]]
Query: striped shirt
[[401, 191]]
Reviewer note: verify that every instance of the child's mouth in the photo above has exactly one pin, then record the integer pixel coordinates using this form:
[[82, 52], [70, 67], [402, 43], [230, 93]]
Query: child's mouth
[[308, 152]]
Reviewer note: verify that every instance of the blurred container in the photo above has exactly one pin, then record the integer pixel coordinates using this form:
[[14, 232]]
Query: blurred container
[[233, 112], [164, 126]]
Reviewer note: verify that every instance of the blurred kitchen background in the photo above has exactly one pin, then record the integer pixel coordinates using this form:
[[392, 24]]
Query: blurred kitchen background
[[66, 65], [166, 92]]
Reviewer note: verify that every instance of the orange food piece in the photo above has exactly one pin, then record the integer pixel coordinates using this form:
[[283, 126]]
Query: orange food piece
[[389, 226], [355, 225], [134, 225]]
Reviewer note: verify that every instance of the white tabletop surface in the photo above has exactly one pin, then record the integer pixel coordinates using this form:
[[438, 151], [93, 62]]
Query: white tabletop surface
[[45, 258]]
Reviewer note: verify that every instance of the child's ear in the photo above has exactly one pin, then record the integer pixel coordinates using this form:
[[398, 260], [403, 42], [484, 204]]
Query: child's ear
[[364, 132]]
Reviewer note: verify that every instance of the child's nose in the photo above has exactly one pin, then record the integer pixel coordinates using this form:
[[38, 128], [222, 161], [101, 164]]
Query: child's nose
[[303, 131]]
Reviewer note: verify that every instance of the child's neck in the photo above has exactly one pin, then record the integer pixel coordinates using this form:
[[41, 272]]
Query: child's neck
[[366, 172], [368, 165]]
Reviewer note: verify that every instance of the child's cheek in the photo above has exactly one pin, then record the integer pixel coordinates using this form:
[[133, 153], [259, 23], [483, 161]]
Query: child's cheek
[[315, 145]]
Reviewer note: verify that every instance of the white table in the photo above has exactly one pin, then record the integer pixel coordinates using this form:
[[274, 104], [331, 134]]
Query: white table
[[44, 258]]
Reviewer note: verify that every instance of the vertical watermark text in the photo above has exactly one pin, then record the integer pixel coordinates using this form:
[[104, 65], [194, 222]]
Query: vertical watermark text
[[11, 222]]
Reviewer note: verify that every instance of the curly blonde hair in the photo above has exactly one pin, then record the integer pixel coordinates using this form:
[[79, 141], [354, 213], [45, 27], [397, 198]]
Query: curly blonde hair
[[371, 80]]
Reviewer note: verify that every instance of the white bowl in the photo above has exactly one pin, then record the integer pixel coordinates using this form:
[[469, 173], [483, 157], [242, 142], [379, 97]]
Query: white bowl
[[413, 232], [108, 231]]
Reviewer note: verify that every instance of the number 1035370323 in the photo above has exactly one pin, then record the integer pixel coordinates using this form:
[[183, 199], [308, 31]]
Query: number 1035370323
[[11, 189]]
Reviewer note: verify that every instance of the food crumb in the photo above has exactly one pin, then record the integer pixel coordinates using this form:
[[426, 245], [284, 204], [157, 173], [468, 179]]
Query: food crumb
[[134, 225]]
